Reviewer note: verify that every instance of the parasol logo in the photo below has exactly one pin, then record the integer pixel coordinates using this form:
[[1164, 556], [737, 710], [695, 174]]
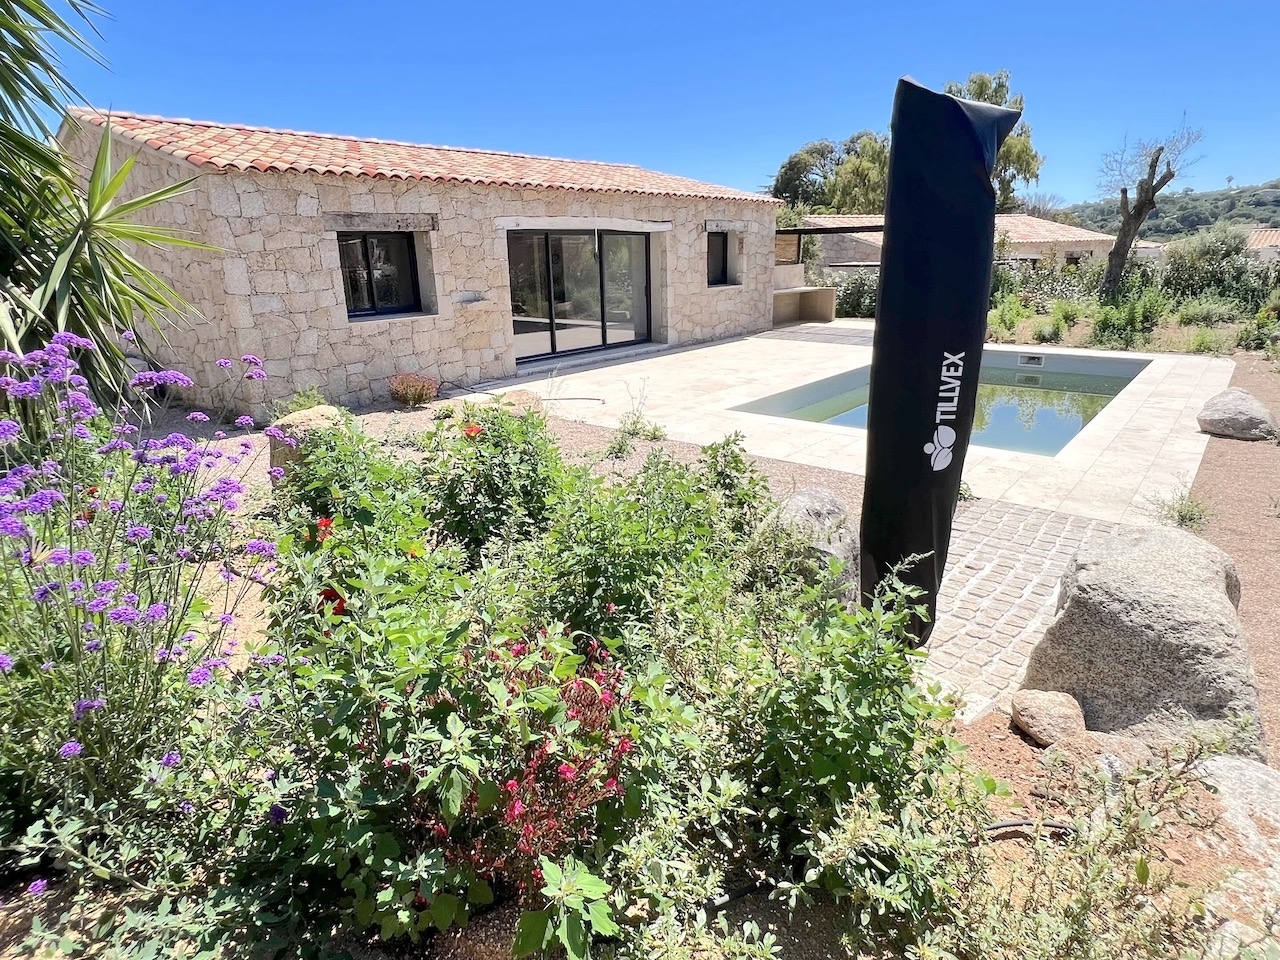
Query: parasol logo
[[939, 448], [944, 437]]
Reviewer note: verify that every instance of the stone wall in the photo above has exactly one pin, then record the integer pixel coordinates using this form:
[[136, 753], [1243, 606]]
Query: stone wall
[[194, 342], [848, 248], [274, 288]]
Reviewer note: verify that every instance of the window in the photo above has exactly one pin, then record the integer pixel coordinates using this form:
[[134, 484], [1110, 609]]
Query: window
[[717, 259], [379, 273]]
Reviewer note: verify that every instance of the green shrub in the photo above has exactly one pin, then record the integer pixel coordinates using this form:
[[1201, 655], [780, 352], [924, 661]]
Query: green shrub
[[855, 292], [1118, 328], [303, 399], [1006, 315], [1206, 341], [1213, 264], [1067, 313], [1049, 332], [1259, 332], [490, 471], [1209, 312], [1180, 508]]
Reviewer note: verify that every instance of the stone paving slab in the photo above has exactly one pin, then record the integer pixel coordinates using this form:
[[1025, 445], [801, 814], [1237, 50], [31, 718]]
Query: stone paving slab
[[998, 595]]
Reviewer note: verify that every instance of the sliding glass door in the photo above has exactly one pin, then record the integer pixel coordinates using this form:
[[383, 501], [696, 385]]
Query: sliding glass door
[[577, 290]]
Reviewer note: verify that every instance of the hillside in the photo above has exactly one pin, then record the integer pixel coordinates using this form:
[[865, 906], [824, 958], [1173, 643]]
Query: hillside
[[1179, 214]]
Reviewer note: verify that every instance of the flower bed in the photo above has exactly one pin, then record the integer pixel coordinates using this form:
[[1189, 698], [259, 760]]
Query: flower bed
[[487, 678]]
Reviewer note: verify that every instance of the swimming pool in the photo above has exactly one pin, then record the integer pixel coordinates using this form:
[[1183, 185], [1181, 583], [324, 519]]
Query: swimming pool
[[1027, 401]]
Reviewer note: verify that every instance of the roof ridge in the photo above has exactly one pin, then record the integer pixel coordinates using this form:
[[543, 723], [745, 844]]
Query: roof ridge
[[88, 111]]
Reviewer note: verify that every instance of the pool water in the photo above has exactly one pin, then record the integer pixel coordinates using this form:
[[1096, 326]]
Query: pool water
[[1029, 408]]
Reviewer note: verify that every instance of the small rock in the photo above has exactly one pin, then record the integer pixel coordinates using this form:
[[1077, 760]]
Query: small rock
[[1237, 414], [1117, 756], [1047, 716], [823, 520], [298, 428]]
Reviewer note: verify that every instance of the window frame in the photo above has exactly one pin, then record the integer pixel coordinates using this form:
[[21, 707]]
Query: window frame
[[363, 236], [725, 280]]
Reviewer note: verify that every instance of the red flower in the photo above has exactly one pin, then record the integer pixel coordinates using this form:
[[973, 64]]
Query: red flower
[[473, 430], [324, 528], [330, 595]]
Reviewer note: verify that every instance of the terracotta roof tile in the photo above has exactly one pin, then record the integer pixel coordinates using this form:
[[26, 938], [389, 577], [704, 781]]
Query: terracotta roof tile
[[1260, 239], [225, 146], [1019, 227]]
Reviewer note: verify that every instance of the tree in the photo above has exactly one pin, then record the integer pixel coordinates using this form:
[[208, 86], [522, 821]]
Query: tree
[[1017, 160], [804, 177], [65, 246], [1139, 164], [862, 179]]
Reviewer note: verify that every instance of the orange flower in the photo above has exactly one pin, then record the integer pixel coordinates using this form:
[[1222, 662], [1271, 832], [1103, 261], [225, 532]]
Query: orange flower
[[473, 430]]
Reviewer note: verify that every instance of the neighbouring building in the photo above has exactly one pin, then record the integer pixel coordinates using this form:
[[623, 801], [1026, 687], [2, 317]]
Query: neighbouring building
[[1019, 237], [341, 261], [1263, 243]]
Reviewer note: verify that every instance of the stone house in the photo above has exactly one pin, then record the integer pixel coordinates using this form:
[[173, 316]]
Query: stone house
[[342, 261], [1019, 237]]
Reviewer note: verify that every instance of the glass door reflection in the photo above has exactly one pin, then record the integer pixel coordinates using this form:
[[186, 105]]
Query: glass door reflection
[[626, 286]]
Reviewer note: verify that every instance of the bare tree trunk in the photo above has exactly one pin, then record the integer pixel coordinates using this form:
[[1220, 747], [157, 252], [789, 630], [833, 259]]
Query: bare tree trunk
[[1131, 220]]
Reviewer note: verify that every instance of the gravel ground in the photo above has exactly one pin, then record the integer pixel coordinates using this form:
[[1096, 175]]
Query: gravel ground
[[1239, 482]]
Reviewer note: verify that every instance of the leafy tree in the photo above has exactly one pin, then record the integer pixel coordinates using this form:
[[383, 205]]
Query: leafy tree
[[1139, 164], [853, 177], [805, 176], [1017, 160], [862, 179], [65, 247]]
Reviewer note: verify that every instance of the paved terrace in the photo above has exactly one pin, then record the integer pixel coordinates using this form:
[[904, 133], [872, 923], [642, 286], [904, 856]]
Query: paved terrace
[[1009, 548]]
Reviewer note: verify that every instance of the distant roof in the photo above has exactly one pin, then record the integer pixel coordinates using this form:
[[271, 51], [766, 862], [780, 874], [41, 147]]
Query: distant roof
[[226, 146], [1019, 227], [1260, 239]]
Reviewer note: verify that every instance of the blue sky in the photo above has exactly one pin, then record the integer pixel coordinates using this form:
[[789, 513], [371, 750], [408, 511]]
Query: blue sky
[[718, 91]]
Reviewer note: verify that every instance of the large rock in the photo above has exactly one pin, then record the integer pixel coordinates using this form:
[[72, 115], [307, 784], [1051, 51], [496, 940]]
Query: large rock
[[296, 429], [1047, 716], [1147, 639], [1249, 794], [822, 519], [1237, 414]]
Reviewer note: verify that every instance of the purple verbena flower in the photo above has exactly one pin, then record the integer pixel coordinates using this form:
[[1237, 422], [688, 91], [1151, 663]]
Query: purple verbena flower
[[46, 666], [93, 646], [13, 527], [150, 379], [171, 759], [276, 473], [278, 813], [244, 422], [255, 374], [138, 533], [251, 360], [36, 887], [45, 592], [200, 676], [6, 663], [67, 339], [223, 362], [124, 615], [187, 807], [195, 416], [83, 558], [260, 548], [83, 708], [156, 612], [10, 431], [72, 748]]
